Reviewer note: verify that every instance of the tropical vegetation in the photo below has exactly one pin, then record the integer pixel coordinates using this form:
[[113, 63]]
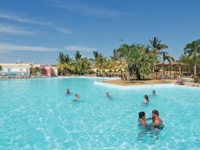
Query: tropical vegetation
[[35, 70], [137, 60], [193, 51]]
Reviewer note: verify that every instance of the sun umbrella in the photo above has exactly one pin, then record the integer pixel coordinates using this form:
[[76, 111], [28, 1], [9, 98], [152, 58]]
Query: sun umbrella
[[120, 69], [97, 70], [110, 70], [103, 70]]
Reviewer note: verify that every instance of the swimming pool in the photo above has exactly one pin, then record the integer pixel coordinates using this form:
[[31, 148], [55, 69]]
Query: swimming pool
[[37, 114]]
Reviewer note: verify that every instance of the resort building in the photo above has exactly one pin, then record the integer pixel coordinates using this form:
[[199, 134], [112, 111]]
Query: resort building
[[49, 70], [10, 69]]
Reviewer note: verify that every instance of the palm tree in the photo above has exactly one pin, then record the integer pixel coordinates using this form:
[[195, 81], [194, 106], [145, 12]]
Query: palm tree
[[144, 62], [99, 61], [186, 59], [91, 61], [128, 53], [157, 47], [63, 62], [115, 55], [193, 50], [95, 54], [81, 65], [0, 68], [169, 58]]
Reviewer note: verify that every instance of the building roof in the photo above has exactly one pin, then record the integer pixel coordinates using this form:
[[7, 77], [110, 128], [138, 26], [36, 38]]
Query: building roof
[[20, 65], [173, 64]]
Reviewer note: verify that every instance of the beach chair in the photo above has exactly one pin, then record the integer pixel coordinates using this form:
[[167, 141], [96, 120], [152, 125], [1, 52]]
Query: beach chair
[[180, 82]]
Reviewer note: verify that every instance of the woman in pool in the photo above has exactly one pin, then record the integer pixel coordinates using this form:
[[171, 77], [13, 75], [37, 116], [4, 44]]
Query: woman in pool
[[67, 92], [76, 97], [153, 92], [146, 99], [107, 95]]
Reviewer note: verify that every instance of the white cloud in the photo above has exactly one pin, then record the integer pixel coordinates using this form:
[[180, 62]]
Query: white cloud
[[89, 10], [23, 19], [63, 30], [15, 30], [79, 48], [10, 47]]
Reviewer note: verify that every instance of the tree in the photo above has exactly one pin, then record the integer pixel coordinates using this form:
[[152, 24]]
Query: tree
[[0, 68], [34, 71], [184, 58], [169, 58], [157, 47], [81, 65], [99, 60], [144, 63], [193, 50], [95, 54], [128, 53], [63, 63], [115, 55], [139, 59]]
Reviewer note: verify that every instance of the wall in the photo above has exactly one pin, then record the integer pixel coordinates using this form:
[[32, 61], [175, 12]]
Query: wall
[[9, 69]]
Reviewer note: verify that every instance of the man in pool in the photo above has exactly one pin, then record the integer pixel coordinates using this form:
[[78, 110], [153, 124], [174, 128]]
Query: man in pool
[[107, 95], [157, 122]]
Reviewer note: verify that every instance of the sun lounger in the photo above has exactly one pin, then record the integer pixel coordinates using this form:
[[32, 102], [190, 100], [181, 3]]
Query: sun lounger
[[181, 82]]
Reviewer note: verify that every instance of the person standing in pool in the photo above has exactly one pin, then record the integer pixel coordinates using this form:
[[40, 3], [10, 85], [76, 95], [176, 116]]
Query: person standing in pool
[[67, 92], [142, 120], [157, 122], [143, 124], [76, 97], [107, 95], [146, 99], [153, 92]]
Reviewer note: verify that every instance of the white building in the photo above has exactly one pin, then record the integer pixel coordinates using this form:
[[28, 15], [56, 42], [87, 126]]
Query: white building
[[13, 69], [24, 69]]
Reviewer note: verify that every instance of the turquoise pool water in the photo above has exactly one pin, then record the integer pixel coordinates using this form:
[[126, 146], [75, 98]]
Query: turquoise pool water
[[37, 114]]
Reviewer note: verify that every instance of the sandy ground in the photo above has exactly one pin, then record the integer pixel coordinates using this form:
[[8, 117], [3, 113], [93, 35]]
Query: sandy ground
[[146, 82]]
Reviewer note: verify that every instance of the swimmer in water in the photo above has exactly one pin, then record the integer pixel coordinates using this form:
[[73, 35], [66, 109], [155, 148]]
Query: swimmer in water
[[153, 92], [143, 124], [142, 120], [146, 100], [67, 92], [107, 95], [76, 97], [157, 122]]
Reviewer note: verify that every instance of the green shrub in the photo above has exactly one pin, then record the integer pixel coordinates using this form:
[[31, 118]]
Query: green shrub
[[195, 79]]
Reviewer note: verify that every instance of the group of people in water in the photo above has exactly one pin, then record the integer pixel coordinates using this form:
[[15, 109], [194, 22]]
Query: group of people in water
[[155, 126], [156, 123], [77, 96], [146, 98]]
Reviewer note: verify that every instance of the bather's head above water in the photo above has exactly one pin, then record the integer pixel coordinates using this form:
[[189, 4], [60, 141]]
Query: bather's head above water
[[141, 114], [153, 92], [155, 113]]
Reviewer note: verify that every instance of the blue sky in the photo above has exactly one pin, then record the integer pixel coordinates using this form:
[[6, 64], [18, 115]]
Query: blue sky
[[37, 30]]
